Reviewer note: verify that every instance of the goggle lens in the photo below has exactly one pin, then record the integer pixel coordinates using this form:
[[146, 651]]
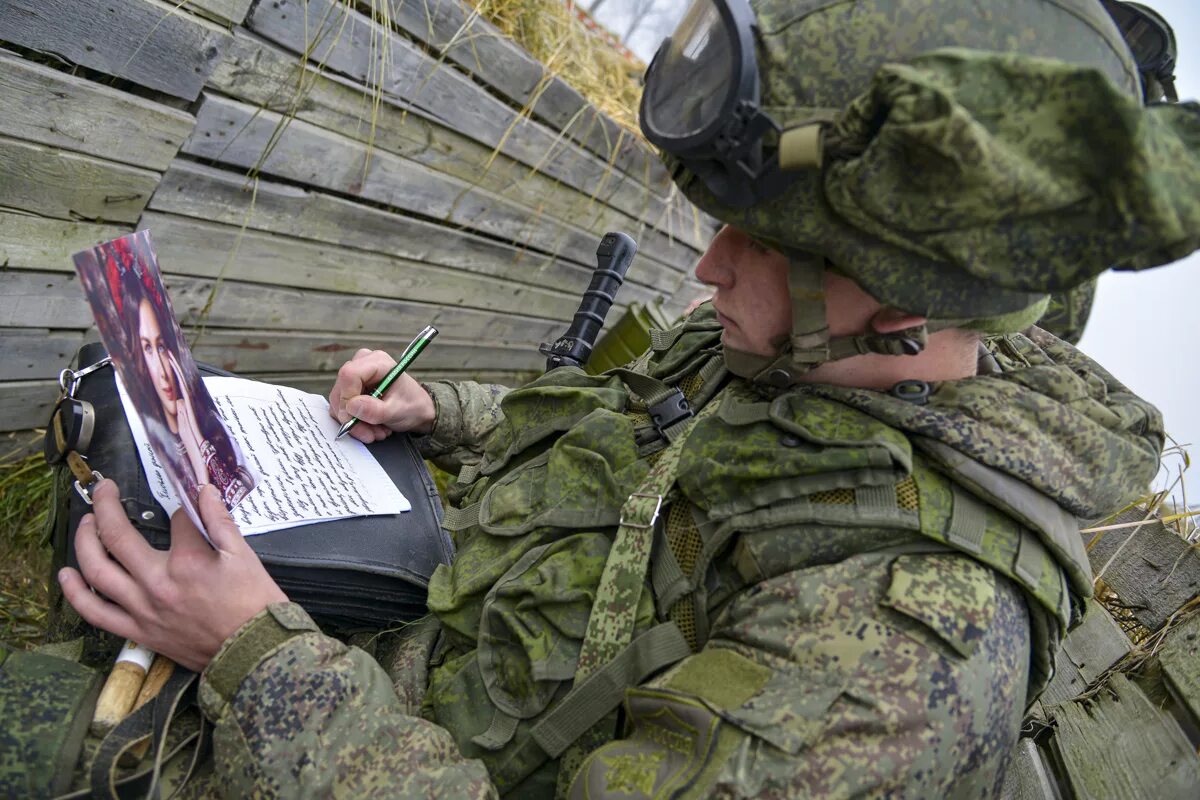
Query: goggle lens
[[690, 78]]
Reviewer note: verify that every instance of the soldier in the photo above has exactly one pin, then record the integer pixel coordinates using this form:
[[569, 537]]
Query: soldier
[[822, 538]]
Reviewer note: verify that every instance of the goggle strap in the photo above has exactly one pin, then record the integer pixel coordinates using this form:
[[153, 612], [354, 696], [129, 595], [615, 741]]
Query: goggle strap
[[810, 329]]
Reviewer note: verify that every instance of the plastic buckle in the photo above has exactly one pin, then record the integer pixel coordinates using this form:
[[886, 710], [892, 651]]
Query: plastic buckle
[[668, 411], [658, 498], [85, 493]]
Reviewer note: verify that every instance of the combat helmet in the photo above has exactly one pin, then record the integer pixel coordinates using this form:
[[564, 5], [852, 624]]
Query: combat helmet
[[855, 135]]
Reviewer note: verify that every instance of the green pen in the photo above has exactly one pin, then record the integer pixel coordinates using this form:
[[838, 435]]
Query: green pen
[[410, 355]]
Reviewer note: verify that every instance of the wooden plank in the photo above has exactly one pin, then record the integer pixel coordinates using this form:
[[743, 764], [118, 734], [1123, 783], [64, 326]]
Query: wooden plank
[[37, 243], [229, 11], [27, 404], [232, 133], [1180, 659], [261, 351], [200, 249], [266, 76], [1153, 570], [348, 43], [459, 33], [242, 305], [1087, 652], [1120, 745], [70, 185], [1028, 776], [148, 42], [35, 299], [49, 107], [203, 192], [30, 353]]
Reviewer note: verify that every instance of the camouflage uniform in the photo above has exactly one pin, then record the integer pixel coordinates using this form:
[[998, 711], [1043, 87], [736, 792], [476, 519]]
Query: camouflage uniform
[[865, 618], [848, 593]]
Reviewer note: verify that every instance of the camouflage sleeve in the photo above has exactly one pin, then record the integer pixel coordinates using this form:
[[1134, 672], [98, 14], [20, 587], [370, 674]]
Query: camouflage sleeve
[[880, 675], [299, 714], [467, 413]]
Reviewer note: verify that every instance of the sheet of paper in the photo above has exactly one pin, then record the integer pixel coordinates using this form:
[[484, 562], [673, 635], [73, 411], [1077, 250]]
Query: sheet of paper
[[304, 475]]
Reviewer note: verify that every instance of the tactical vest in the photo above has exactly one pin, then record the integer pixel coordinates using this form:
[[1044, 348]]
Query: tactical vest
[[534, 526]]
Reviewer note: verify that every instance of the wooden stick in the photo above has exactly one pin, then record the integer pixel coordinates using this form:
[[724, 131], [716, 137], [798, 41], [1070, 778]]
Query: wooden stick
[[122, 687], [156, 678]]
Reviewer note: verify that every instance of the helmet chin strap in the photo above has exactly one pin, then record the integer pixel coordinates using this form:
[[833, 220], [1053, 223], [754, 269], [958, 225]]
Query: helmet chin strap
[[810, 344]]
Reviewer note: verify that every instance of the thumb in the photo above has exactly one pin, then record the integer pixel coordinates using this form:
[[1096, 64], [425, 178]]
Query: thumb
[[222, 531], [369, 409]]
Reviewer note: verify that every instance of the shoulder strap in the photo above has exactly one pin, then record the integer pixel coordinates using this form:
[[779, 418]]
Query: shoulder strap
[[611, 623]]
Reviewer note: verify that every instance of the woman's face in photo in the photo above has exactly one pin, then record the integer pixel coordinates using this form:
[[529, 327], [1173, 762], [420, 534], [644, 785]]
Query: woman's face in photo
[[157, 358]]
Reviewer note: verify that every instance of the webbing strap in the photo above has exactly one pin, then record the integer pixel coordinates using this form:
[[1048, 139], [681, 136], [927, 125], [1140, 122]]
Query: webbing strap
[[459, 519], [1031, 559], [499, 733], [664, 340], [590, 700], [968, 521], [152, 719], [468, 473], [876, 498], [610, 625], [650, 389], [614, 611]]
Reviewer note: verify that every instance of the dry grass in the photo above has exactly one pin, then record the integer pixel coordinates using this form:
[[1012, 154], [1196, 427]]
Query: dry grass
[[554, 36], [25, 492]]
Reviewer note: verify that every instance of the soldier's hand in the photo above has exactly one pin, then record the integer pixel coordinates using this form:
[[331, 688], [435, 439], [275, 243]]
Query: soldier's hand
[[182, 603], [404, 407]]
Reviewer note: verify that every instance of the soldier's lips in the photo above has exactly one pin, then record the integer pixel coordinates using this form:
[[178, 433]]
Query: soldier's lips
[[725, 321]]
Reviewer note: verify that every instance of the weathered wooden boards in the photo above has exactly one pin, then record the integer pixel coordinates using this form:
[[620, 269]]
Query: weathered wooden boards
[[148, 42], [226, 11], [1028, 776], [348, 43], [394, 186], [43, 105], [1118, 744], [1087, 652], [1180, 661], [1151, 568]]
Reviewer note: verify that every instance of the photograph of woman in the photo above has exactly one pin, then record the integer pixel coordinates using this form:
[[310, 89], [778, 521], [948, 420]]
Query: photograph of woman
[[137, 324]]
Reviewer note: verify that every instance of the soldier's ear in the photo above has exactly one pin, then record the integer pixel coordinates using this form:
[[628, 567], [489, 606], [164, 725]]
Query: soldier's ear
[[891, 320]]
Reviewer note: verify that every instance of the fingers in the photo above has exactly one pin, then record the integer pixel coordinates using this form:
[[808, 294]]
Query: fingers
[[95, 609], [356, 376], [114, 530], [223, 532], [100, 571]]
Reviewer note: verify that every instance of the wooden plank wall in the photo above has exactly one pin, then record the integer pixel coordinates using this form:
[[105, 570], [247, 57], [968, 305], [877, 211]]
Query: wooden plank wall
[[1121, 719], [315, 180]]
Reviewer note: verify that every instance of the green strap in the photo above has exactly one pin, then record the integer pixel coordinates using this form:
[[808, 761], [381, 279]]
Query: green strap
[[499, 733], [610, 625], [592, 699], [459, 519], [968, 521]]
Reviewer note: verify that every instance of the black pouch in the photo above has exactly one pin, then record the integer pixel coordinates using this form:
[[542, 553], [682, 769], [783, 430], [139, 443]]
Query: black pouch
[[360, 573]]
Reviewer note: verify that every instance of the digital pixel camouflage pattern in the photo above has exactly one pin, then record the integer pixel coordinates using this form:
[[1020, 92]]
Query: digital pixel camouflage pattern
[[927, 196], [867, 619]]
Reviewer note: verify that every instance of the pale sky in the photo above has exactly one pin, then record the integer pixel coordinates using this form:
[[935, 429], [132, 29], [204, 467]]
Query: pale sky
[[1143, 327]]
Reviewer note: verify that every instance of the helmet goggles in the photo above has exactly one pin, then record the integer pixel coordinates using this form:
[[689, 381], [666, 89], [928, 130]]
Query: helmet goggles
[[1151, 41], [701, 103]]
